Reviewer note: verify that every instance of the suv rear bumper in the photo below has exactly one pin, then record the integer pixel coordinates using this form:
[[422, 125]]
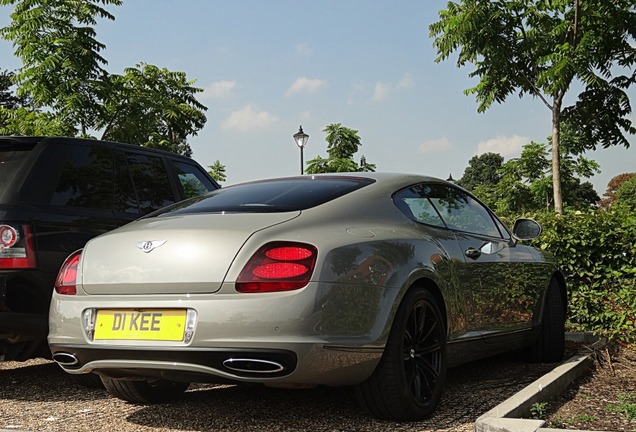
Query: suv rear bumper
[[17, 327]]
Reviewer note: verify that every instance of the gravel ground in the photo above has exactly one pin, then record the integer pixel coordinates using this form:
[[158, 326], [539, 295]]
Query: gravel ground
[[38, 396]]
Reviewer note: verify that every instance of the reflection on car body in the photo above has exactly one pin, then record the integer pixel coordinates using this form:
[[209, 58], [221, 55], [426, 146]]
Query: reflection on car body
[[380, 281]]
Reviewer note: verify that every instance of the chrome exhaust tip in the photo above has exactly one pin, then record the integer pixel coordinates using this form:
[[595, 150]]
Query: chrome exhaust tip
[[253, 366], [65, 359]]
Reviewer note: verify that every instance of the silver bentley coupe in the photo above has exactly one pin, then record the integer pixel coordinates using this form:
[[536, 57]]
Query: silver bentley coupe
[[378, 281]]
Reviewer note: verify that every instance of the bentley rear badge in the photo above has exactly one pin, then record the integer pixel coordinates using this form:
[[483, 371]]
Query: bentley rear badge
[[149, 245]]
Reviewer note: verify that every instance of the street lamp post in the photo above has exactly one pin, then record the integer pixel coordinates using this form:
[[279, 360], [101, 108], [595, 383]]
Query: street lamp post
[[301, 141]]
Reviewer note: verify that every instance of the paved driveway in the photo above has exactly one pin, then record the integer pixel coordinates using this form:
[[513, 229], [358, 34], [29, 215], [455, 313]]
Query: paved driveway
[[39, 396]]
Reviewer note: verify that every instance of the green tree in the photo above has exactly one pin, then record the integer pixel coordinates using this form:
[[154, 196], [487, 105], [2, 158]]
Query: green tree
[[526, 182], [63, 73], [7, 98], [62, 66], [612, 187], [29, 121], [217, 171], [626, 194], [342, 144], [482, 170], [544, 49], [19, 117], [152, 107]]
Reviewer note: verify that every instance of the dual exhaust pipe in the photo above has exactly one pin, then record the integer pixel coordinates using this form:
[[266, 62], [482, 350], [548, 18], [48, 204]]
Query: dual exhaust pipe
[[240, 365]]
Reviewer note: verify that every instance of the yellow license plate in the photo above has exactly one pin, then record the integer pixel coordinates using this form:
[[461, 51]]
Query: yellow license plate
[[140, 324]]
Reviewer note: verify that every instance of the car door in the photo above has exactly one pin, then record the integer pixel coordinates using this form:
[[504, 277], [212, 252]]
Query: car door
[[504, 293]]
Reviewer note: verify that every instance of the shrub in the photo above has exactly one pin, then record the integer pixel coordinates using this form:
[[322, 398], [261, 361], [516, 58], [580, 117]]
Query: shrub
[[597, 253]]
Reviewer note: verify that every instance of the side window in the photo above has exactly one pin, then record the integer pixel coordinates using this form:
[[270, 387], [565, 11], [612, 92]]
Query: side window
[[444, 206], [415, 204], [192, 179], [504, 231], [125, 197], [151, 181], [86, 177], [462, 212]]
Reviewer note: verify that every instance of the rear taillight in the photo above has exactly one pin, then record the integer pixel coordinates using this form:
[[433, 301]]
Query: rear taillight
[[66, 282], [278, 266], [16, 247]]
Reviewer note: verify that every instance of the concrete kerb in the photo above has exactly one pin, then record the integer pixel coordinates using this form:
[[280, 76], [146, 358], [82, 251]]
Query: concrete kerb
[[508, 415]]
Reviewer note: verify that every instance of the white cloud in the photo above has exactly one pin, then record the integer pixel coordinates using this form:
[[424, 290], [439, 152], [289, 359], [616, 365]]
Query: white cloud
[[406, 82], [305, 85], [434, 146], [505, 146], [218, 90], [383, 90], [248, 118], [302, 49]]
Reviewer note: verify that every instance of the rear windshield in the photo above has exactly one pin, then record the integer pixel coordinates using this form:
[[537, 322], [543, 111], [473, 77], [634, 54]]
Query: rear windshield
[[270, 196], [11, 159]]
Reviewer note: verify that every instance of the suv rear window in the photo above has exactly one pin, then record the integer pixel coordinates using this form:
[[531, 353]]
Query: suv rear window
[[86, 179], [11, 159], [151, 181], [270, 196]]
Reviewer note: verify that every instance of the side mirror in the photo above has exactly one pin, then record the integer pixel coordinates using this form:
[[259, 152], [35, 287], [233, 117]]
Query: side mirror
[[526, 229]]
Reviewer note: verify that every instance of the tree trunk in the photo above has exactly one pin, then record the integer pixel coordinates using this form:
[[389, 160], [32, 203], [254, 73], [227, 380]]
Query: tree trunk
[[556, 157]]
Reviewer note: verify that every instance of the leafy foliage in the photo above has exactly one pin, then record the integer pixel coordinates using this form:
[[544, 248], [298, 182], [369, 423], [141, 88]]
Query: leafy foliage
[[64, 74], [597, 252], [8, 99], [525, 184], [28, 121], [482, 170], [63, 67], [153, 107], [626, 405], [612, 187], [540, 48], [217, 171], [342, 144], [626, 194]]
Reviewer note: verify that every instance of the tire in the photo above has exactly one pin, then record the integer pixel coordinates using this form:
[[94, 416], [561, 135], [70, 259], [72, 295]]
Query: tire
[[408, 382], [549, 346], [89, 380], [145, 392]]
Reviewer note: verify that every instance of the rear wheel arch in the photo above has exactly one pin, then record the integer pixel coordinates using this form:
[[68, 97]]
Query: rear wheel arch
[[560, 279], [431, 286], [408, 382]]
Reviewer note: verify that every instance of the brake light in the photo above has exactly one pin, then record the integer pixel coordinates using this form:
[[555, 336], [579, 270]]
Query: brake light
[[66, 282], [278, 266], [17, 249]]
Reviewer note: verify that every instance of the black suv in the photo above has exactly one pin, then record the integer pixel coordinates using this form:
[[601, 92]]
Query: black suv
[[55, 195]]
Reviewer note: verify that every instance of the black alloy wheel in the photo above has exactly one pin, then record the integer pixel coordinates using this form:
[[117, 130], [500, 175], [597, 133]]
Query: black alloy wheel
[[408, 382], [422, 351], [549, 346]]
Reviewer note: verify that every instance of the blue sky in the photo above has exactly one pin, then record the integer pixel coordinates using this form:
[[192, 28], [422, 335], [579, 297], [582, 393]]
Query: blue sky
[[269, 66]]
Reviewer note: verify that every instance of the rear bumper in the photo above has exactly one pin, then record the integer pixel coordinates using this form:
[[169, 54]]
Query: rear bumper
[[191, 364], [302, 364]]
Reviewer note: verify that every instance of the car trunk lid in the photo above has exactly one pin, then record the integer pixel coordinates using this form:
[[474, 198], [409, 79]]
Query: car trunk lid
[[182, 254]]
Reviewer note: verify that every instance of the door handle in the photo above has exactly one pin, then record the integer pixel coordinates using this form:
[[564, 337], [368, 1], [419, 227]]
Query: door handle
[[472, 253]]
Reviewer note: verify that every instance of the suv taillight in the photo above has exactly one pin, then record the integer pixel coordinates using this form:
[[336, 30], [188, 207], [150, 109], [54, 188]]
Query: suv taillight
[[16, 247], [278, 266], [66, 282]]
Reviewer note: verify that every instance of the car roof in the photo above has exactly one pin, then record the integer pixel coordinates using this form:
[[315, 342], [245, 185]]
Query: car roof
[[34, 140], [385, 178]]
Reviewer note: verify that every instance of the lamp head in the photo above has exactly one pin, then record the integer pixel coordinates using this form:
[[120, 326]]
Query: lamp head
[[301, 137]]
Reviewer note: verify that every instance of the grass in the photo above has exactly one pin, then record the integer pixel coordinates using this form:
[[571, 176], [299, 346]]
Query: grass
[[626, 405]]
